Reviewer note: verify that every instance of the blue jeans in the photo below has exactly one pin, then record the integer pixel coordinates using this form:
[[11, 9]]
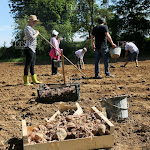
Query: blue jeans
[[104, 54]]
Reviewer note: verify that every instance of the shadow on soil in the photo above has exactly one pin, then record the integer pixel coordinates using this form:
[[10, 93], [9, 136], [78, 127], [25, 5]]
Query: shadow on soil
[[15, 144], [38, 100], [8, 85]]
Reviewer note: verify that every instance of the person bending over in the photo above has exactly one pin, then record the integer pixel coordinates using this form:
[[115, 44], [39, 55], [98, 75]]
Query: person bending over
[[79, 57], [134, 52]]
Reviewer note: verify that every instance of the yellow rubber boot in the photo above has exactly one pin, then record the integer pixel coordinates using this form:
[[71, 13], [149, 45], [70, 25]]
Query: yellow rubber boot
[[26, 80], [34, 79]]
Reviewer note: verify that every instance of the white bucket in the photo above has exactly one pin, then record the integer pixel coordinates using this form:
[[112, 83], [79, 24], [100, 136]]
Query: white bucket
[[115, 52], [117, 107]]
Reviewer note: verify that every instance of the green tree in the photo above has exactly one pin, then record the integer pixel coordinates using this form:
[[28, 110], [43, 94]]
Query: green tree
[[20, 24], [133, 18], [51, 13], [133, 22], [86, 11]]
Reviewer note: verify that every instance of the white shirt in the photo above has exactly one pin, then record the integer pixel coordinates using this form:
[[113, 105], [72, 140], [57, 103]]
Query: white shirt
[[131, 47], [79, 53], [31, 41]]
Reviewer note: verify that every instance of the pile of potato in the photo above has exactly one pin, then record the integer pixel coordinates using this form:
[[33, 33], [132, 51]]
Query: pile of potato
[[51, 92], [67, 126]]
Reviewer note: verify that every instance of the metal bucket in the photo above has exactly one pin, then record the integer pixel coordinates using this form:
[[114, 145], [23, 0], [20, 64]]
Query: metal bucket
[[57, 63], [116, 107], [115, 52]]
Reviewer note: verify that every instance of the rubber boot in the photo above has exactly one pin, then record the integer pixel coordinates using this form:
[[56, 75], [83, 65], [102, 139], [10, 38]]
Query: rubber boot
[[34, 79], [26, 80]]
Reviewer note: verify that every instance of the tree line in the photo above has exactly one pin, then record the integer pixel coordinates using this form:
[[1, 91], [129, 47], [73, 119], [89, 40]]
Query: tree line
[[128, 20]]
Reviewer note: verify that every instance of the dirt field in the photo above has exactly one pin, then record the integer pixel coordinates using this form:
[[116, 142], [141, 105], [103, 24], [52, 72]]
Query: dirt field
[[19, 102]]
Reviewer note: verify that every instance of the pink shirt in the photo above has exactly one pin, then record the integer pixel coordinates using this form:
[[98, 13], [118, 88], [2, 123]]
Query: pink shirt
[[55, 42], [53, 52]]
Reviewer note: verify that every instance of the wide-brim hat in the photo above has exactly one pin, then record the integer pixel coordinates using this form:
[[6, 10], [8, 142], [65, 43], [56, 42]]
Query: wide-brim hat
[[54, 32], [33, 18]]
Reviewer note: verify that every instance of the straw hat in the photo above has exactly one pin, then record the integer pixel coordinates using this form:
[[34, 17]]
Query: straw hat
[[54, 32], [33, 18]]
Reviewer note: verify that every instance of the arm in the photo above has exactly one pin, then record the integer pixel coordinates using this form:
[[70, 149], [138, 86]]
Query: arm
[[59, 40], [126, 53], [110, 39], [54, 43], [29, 34], [92, 42], [37, 33], [77, 55]]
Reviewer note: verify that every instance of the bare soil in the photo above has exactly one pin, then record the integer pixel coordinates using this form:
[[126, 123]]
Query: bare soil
[[18, 102]]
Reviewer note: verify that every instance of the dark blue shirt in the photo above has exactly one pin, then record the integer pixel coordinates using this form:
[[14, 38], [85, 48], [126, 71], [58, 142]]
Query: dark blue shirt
[[100, 37]]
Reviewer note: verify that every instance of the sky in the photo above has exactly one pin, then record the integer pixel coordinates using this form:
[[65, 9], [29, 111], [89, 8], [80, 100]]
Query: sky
[[6, 24]]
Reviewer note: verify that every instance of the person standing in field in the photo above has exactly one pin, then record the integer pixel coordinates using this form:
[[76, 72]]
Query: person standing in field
[[30, 50], [79, 56], [101, 35], [55, 51], [134, 52]]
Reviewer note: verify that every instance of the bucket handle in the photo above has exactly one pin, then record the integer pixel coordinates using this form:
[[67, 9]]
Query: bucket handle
[[115, 105]]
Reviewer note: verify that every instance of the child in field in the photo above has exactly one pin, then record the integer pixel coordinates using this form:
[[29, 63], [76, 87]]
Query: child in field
[[79, 57], [134, 52]]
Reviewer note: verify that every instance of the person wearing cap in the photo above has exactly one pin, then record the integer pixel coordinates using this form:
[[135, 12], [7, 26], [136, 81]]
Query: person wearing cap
[[79, 56], [55, 51], [134, 52], [30, 50], [101, 35]]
